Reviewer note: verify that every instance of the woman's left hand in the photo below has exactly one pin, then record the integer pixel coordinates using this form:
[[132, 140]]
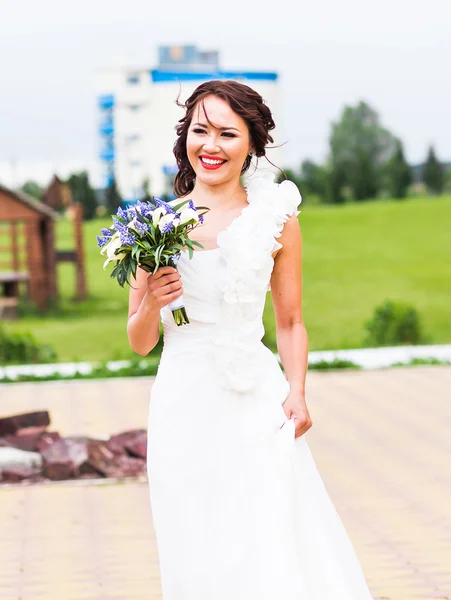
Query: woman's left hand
[[295, 406]]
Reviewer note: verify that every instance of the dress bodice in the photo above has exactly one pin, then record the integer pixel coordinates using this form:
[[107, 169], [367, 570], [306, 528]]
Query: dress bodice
[[224, 289], [201, 278]]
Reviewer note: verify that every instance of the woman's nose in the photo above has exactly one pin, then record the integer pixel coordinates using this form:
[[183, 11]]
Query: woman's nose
[[211, 144]]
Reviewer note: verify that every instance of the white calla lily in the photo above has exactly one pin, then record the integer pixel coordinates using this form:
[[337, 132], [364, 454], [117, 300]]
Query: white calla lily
[[188, 214], [157, 214], [165, 219], [132, 225], [111, 248]]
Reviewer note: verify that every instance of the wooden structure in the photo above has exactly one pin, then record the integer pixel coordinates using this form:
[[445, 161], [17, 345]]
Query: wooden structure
[[57, 195], [9, 283], [27, 254], [76, 256]]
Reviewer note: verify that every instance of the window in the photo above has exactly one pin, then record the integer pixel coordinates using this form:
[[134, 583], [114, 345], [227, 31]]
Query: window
[[133, 79]]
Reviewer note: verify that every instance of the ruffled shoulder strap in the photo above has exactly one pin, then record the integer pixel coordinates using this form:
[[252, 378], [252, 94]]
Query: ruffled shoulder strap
[[247, 246], [279, 199]]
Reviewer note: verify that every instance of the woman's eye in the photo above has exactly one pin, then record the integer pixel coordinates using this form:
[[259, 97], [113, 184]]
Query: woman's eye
[[225, 133]]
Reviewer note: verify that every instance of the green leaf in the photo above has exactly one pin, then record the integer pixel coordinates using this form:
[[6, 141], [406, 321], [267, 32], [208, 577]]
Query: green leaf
[[178, 206]]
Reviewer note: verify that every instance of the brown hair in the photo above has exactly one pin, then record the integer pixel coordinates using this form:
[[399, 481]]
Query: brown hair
[[245, 102]]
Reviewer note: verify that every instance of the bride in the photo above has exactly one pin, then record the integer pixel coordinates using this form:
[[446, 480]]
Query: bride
[[239, 509]]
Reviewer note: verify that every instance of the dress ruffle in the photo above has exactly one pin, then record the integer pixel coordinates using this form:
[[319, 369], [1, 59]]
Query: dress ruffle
[[247, 246]]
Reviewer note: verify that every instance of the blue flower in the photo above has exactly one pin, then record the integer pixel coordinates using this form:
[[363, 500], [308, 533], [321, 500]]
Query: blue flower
[[131, 213], [175, 258], [101, 241], [191, 205], [127, 238], [121, 213], [201, 219], [165, 205], [106, 232], [119, 226], [167, 228], [141, 227], [145, 209]]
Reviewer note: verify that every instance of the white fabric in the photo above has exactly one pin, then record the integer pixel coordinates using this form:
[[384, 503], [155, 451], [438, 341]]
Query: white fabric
[[239, 509]]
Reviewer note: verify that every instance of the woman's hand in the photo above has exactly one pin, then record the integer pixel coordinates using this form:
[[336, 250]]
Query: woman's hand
[[295, 406], [163, 286]]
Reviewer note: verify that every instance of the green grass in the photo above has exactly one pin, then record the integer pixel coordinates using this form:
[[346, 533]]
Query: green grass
[[96, 328], [355, 257]]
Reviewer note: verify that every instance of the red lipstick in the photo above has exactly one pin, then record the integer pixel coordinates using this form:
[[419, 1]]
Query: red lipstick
[[211, 166]]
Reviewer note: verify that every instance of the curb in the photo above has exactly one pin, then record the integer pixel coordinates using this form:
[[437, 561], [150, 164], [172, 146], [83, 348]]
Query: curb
[[366, 358]]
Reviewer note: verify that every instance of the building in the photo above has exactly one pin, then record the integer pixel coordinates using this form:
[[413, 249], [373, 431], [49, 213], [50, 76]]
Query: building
[[138, 115]]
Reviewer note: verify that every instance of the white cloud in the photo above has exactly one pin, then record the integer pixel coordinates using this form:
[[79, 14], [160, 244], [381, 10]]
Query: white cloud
[[394, 54]]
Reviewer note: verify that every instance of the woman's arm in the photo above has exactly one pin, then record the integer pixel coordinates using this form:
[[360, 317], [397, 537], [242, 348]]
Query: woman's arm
[[147, 296], [292, 341]]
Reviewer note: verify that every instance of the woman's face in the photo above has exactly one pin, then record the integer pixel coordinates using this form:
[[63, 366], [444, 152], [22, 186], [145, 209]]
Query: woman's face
[[217, 152]]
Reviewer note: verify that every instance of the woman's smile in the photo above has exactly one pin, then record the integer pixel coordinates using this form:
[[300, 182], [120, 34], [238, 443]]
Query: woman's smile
[[210, 162]]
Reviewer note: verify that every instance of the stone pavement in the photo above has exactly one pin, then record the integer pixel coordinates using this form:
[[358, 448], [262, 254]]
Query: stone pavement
[[381, 440]]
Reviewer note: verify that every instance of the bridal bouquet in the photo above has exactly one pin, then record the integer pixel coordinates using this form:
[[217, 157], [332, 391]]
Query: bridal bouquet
[[149, 235]]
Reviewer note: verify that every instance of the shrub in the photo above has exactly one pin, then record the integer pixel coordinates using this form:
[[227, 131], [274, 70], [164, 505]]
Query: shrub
[[332, 365], [394, 324], [23, 348]]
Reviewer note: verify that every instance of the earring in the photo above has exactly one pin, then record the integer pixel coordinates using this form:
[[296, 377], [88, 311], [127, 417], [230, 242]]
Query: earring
[[251, 153]]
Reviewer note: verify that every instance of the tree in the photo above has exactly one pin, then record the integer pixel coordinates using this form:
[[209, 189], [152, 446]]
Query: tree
[[314, 179], [335, 185], [433, 173], [288, 174], [82, 192], [112, 197], [447, 187], [33, 189], [359, 146], [146, 190], [398, 173]]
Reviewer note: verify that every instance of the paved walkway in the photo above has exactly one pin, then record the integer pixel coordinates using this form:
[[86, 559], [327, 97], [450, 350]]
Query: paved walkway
[[381, 440]]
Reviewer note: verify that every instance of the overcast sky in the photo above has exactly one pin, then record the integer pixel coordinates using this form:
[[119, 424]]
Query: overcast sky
[[394, 54]]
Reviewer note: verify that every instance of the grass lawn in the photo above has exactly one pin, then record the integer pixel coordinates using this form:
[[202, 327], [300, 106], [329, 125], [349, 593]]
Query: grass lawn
[[355, 257]]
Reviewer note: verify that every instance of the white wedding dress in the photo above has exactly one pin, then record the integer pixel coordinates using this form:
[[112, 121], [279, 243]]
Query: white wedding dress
[[240, 511]]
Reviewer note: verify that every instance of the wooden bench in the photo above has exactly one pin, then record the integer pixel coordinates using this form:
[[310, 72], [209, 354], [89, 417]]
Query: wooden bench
[[9, 300]]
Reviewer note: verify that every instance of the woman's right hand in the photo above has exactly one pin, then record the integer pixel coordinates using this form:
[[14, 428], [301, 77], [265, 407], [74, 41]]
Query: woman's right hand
[[164, 286]]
